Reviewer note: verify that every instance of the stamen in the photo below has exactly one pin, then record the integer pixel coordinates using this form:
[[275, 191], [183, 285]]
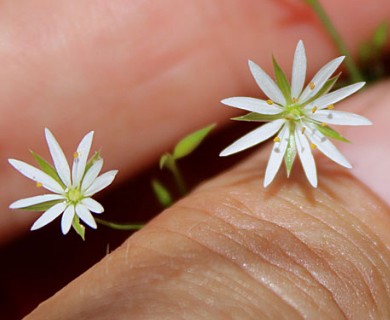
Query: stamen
[[312, 85], [269, 101], [38, 184], [313, 146], [294, 100], [276, 139], [303, 130], [314, 109], [324, 124], [75, 155], [330, 107]]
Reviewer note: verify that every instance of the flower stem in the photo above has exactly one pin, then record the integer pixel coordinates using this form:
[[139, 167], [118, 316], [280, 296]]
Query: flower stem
[[181, 185], [119, 226], [354, 72]]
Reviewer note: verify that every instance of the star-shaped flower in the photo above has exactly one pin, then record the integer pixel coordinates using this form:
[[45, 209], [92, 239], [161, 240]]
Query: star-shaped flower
[[298, 116], [72, 191]]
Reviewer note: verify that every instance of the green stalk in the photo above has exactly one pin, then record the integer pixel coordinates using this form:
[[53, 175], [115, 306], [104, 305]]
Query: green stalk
[[181, 185], [119, 226], [354, 72]]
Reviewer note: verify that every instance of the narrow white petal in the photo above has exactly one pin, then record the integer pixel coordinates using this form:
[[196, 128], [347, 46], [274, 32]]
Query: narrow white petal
[[340, 118], [326, 146], [23, 203], [298, 70], [49, 215], [85, 215], [59, 160], [81, 158], [254, 137], [92, 174], [266, 84], [277, 154], [36, 175], [101, 182], [335, 96], [307, 159], [67, 219], [92, 205], [252, 104], [320, 78]]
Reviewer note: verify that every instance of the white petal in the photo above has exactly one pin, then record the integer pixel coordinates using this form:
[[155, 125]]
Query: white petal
[[326, 146], [254, 137], [49, 215], [307, 159], [36, 175], [266, 84], [340, 118], [85, 215], [277, 154], [92, 205], [298, 70], [335, 96], [101, 182], [80, 161], [252, 104], [23, 203], [58, 157], [92, 174], [67, 219], [320, 78]]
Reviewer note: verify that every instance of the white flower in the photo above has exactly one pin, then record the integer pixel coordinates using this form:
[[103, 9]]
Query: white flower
[[72, 191], [298, 116]]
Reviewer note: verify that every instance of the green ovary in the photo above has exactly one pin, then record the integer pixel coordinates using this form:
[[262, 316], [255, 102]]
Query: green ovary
[[294, 112], [74, 196]]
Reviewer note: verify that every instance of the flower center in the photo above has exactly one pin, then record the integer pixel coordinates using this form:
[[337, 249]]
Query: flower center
[[294, 112], [74, 196]]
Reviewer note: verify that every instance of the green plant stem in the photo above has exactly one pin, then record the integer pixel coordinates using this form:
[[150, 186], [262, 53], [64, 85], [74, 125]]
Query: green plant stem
[[354, 72], [181, 185], [119, 226]]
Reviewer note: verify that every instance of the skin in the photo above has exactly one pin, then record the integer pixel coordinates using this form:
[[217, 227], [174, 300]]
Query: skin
[[230, 249]]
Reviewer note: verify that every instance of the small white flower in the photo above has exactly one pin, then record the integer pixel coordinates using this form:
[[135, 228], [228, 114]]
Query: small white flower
[[72, 191], [298, 116]]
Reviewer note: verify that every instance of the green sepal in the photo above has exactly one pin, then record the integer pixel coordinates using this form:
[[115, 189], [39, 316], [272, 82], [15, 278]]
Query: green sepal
[[42, 206], [79, 228], [162, 194], [331, 133], [291, 153], [92, 160], [253, 116], [190, 142], [47, 167], [325, 88], [282, 81]]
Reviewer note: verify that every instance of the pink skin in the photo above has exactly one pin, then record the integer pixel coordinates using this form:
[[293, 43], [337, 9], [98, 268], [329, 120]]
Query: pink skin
[[143, 73]]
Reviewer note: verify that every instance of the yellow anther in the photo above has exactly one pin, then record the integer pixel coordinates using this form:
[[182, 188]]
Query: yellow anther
[[312, 85], [330, 107], [38, 184], [276, 139], [269, 101], [75, 155], [324, 124], [294, 100], [303, 129], [314, 109], [313, 146]]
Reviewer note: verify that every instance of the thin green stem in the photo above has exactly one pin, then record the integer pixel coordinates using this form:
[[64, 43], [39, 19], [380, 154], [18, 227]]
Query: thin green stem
[[119, 226], [181, 185], [354, 72]]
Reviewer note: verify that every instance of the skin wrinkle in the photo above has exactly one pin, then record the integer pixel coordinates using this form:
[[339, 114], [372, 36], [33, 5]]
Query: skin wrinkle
[[296, 261], [225, 258], [198, 243], [259, 253]]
